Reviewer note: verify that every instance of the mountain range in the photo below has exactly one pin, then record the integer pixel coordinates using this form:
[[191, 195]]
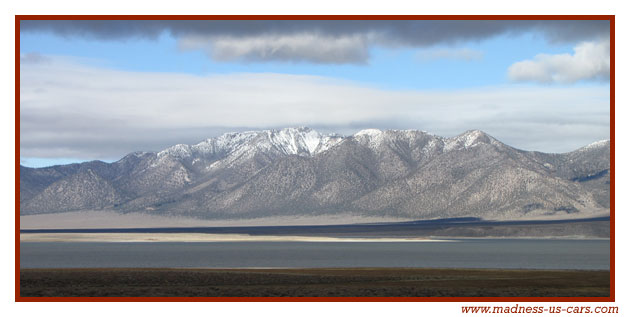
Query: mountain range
[[301, 172]]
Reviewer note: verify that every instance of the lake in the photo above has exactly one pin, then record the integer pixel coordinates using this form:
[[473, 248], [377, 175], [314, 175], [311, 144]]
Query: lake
[[461, 253]]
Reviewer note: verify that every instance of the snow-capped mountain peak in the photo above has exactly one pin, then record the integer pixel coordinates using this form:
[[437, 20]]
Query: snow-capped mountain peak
[[594, 145], [468, 139], [225, 143], [301, 141], [176, 151], [369, 133], [234, 147], [409, 172]]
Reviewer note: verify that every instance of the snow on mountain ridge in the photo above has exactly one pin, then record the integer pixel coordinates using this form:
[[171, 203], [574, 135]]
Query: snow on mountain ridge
[[177, 151], [224, 143], [304, 141], [312, 139], [289, 141], [594, 145], [300, 141], [369, 133], [468, 139]]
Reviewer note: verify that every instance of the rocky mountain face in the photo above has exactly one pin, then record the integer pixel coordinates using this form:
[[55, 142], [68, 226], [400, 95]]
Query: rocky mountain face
[[409, 173]]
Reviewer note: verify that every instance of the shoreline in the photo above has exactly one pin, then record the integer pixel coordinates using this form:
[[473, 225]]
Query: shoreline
[[115, 237], [200, 237]]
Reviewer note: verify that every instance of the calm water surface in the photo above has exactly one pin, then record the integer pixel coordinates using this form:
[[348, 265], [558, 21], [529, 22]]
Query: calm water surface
[[477, 253]]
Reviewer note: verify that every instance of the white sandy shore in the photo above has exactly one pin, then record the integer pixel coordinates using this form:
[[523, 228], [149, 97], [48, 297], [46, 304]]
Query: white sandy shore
[[194, 237]]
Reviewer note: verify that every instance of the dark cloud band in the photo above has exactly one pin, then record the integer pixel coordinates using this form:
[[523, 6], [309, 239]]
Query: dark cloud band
[[283, 42], [410, 32]]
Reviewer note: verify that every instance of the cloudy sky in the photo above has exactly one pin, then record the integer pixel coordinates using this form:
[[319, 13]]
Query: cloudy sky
[[101, 89]]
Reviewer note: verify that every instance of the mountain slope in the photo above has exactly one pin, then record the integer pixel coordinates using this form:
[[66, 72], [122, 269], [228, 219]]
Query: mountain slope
[[301, 172]]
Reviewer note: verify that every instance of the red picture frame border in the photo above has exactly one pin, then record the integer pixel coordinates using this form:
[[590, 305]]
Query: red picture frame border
[[610, 18]]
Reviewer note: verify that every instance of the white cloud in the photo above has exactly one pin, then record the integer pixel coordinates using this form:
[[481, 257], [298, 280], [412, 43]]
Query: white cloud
[[32, 58], [590, 61], [312, 47], [465, 54], [85, 112]]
